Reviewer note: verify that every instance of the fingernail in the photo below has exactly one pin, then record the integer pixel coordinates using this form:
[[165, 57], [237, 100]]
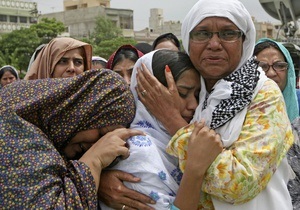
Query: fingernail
[[168, 68]]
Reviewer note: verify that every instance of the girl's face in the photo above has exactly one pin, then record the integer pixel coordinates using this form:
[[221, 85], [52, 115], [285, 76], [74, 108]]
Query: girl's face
[[83, 140], [7, 78], [188, 86], [70, 65], [124, 68]]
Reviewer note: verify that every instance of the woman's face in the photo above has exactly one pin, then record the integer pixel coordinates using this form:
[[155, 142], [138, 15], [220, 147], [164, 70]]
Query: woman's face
[[70, 65], [7, 78], [124, 68], [215, 59], [271, 55], [188, 86], [83, 140]]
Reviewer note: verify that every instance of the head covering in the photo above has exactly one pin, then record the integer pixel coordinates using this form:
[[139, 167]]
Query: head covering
[[143, 47], [44, 64], [35, 54], [98, 58], [289, 92], [112, 57], [234, 10], [12, 68], [166, 36], [38, 118]]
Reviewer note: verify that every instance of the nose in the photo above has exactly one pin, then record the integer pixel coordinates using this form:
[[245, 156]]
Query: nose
[[271, 72], [127, 78], [214, 42], [192, 103], [71, 67]]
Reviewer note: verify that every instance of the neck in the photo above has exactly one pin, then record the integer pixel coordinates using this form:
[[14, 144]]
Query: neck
[[209, 84]]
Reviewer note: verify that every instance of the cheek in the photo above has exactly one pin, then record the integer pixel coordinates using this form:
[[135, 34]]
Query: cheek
[[58, 71]]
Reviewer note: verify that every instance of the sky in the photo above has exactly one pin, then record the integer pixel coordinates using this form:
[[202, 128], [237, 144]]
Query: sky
[[174, 10]]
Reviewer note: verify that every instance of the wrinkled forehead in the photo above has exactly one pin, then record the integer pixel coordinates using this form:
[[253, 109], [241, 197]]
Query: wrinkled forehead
[[220, 22]]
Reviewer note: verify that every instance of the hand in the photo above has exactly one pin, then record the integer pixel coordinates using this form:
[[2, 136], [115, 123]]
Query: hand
[[106, 149], [205, 145], [110, 146], [152, 99], [114, 194]]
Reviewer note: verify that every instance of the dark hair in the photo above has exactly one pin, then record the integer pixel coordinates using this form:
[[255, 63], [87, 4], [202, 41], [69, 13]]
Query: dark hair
[[143, 47], [125, 53], [264, 45], [178, 62], [166, 37], [10, 69]]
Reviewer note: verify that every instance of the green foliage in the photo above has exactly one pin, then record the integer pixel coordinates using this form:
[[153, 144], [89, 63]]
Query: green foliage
[[107, 47], [106, 38], [18, 46], [105, 30], [48, 29]]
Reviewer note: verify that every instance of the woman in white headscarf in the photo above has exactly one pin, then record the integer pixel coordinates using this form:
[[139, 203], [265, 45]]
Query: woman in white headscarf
[[239, 102]]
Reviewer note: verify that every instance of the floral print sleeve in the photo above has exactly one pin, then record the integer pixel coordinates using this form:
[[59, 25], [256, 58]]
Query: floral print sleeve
[[244, 169]]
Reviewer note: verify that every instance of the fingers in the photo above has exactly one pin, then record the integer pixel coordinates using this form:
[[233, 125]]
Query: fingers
[[170, 80], [125, 133]]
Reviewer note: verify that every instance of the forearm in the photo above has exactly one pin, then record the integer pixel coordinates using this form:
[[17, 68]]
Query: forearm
[[174, 124], [95, 168], [188, 194]]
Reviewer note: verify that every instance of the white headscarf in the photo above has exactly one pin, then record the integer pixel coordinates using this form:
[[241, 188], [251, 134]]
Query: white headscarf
[[234, 10]]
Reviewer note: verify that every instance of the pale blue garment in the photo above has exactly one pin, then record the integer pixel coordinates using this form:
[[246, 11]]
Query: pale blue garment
[[289, 92], [159, 171]]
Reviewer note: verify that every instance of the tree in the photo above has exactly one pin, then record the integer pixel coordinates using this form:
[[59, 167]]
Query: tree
[[107, 47], [48, 29], [107, 38], [18, 46], [105, 30]]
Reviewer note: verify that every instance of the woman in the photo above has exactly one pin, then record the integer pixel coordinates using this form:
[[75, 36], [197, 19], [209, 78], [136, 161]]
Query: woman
[[238, 101], [166, 41], [61, 58], [278, 65], [8, 74], [159, 172], [123, 60], [53, 139], [98, 62]]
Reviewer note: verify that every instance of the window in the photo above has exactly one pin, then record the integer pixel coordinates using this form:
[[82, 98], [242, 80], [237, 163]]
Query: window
[[23, 19], [3, 18], [13, 19]]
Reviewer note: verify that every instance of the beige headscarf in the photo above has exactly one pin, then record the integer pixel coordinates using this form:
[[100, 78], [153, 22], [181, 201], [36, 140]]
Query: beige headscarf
[[44, 64]]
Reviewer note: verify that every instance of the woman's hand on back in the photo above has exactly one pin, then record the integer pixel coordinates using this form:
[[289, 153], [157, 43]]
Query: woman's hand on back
[[115, 194]]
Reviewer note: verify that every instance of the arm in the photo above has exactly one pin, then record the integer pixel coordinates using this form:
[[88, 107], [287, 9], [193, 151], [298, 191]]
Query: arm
[[205, 145], [242, 171], [155, 92]]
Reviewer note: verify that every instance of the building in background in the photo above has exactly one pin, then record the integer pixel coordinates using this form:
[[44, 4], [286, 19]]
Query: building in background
[[16, 14], [77, 4], [80, 16]]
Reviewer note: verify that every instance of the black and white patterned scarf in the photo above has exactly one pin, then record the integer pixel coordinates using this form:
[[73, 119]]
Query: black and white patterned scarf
[[225, 107]]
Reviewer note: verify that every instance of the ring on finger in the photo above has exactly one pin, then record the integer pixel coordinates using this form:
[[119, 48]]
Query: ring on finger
[[123, 207], [144, 92]]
